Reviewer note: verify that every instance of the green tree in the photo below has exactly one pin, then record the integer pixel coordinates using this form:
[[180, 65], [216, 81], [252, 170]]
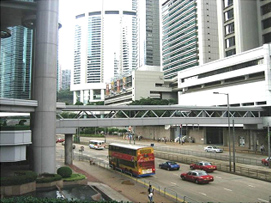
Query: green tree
[[65, 96]]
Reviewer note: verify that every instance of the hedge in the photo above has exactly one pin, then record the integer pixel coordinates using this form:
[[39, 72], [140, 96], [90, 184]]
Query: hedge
[[48, 177], [75, 177], [19, 178]]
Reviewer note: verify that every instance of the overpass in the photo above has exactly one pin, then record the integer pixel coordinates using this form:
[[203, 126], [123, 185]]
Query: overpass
[[147, 115], [141, 115], [150, 115]]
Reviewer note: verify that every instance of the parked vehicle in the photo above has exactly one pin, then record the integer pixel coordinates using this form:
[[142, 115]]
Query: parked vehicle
[[266, 160], [213, 149], [202, 165], [197, 177], [60, 140], [169, 165]]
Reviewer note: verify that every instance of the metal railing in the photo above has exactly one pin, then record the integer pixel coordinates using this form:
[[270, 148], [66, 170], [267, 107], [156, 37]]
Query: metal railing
[[217, 156], [244, 171]]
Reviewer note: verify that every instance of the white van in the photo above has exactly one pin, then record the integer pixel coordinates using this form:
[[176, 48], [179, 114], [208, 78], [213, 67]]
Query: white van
[[96, 144]]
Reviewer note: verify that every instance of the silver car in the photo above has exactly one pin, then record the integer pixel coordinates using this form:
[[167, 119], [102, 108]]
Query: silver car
[[213, 149]]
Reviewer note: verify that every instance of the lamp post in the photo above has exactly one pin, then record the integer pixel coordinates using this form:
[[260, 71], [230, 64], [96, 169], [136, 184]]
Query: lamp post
[[228, 109]]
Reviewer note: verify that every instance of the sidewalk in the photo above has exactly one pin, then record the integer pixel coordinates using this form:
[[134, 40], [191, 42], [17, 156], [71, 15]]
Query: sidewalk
[[116, 186]]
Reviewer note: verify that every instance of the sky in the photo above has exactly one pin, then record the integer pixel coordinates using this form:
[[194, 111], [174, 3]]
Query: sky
[[66, 18]]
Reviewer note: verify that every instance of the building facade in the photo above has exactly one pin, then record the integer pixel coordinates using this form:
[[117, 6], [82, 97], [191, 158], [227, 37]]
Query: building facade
[[112, 40], [16, 64], [65, 79], [145, 82], [105, 46], [239, 30], [189, 35], [149, 33], [264, 21], [245, 77]]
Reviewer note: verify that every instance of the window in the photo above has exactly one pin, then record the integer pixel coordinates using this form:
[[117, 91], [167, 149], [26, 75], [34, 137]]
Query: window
[[230, 42], [230, 52], [267, 23], [228, 15], [229, 28], [227, 3], [266, 8], [267, 38]]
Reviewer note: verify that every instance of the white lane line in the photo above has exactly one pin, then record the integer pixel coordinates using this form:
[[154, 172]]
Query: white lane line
[[218, 177], [173, 183], [202, 193], [176, 174], [251, 185], [227, 189], [262, 200]]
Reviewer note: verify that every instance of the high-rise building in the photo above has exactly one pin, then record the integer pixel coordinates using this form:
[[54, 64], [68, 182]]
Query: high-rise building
[[16, 63], [264, 21], [65, 79], [112, 38], [149, 22], [189, 34], [240, 31]]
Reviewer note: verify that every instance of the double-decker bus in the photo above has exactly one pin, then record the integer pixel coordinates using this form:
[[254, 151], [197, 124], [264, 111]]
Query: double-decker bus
[[133, 159], [96, 144]]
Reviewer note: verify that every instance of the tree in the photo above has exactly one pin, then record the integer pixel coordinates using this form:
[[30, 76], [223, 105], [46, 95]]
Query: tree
[[65, 96]]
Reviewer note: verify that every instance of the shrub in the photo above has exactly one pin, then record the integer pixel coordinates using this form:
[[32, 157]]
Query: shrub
[[64, 171], [48, 177], [75, 177], [19, 178]]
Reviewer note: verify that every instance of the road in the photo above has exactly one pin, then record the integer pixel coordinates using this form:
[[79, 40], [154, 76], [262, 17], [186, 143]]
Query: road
[[225, 188]]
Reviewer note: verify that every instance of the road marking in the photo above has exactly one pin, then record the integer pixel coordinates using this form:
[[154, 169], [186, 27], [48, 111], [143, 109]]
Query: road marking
[[173, 183], [176, 174], [251, 185], [262, 200], [227, 189], [218, 177], [202, 193]]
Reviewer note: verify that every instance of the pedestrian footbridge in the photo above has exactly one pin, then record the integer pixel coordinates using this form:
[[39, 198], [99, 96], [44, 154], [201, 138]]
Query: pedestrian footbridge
[[150, 115], [143, 115]]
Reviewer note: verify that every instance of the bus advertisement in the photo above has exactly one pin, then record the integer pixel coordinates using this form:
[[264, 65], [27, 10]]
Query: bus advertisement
[[96, 144], [132, 159]]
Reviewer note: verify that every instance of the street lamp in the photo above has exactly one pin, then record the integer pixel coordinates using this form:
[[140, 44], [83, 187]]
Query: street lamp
[[228, 109]]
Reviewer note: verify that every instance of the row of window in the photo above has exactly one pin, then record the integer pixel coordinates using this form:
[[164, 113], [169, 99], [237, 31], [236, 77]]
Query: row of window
[[228, 69], [122, 150]]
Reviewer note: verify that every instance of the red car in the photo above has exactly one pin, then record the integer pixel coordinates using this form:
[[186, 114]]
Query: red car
[[206, 166], [265, 161], [59, 140], [197, 177]]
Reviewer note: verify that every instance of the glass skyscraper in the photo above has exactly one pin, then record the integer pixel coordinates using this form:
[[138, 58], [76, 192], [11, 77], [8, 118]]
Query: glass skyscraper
[[16, 63]]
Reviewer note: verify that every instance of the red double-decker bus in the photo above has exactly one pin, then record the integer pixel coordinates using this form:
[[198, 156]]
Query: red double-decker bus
[[132, 159]]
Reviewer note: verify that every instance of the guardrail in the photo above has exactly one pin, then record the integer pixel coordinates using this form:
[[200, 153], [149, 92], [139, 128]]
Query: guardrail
[[217, 156], [165, 191], [244, 171]]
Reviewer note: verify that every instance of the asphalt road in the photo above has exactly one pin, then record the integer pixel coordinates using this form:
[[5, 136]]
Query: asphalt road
[[225, 188]]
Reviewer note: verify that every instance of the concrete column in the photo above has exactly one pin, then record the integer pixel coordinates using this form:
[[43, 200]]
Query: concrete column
[[44, 87], [68, 149]]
